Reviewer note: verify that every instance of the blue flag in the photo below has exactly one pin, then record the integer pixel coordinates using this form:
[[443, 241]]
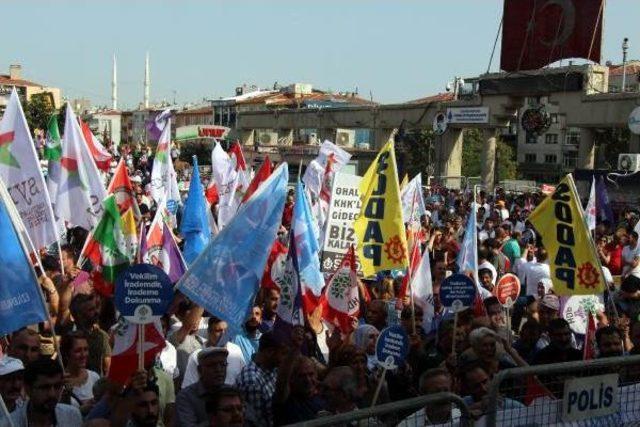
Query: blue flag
[[225, 277], [603, 204], [305, 237], [467, 260], [21, 302], [290, 306], [195, 226]]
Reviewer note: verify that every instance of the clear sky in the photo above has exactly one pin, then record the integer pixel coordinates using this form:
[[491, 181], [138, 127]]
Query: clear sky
[[396, 49]]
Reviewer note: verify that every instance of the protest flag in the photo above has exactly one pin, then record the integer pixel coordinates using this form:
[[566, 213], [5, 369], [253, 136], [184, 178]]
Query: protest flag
[[590, 211], [559, 219], [156, 126], [100, 155], [422, 289], [603, 204], [21, 301], [259, 178], [340, 299], [275, 266], [305, 238], [316, 169], [106, 247], [161, 247], [164, 185], [382, 242], [413, 206], [142, 244], [290, 307], [20, 170], [211, 193], [80, 191], [53, 146], [224, 173], [467, 259], [130, 234], [124, 358], [589, 346], [195, 224], [244, 174], [225, 277], [121, 187]]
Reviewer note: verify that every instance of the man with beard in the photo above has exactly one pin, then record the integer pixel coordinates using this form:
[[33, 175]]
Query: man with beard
[[249, 338], [559, 348], [44, 382], [25, 345], [146, 408], [225, 408], [609, 340], [11, 382]]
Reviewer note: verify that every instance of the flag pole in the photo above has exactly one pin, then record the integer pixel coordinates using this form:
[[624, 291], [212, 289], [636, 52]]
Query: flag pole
[[5, 411], [140, 347], [379, 386], [300, 168]]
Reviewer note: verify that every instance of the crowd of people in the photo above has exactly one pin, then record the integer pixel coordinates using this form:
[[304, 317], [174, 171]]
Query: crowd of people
[[56, 374]]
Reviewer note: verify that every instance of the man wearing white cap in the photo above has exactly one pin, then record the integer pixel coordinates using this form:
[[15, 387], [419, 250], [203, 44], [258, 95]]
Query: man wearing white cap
[[11, 382]]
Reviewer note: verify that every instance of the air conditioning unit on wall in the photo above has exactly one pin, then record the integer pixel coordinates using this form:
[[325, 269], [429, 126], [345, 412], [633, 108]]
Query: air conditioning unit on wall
[[267, 138], [345, 137], [629, 162]]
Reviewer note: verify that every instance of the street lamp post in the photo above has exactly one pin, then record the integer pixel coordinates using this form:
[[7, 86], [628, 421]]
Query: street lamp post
[[625, 49]]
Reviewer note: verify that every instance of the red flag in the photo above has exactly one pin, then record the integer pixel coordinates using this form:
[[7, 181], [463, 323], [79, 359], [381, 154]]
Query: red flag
[[261, 176], [236, 151], [211, 192], [538, 32], [589, 348], [416, 257], [535, 390], [124, 360], [275, 265], [340, 300], [122, 188], [100, 155]]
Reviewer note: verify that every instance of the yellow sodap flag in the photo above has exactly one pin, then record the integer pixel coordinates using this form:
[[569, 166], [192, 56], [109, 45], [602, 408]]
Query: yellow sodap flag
[[382, 243], [575, 268]]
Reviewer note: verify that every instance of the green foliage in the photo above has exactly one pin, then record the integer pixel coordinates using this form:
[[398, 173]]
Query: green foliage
[[473, 142], [610, 142], [38, 110], [200, 149], [419, 153]]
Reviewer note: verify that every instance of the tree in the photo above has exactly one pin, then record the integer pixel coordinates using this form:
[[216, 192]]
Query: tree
[[472, 145], [38, 110], [419, 155]]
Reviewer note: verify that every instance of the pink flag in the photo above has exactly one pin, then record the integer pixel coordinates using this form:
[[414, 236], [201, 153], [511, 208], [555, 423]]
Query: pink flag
[[100, 155]]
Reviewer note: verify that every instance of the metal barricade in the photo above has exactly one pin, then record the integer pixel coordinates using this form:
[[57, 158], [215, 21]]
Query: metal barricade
[[403, 413], [596, 392]]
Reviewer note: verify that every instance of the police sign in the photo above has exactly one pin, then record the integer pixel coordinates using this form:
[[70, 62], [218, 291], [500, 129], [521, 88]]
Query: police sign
[[591, 397]]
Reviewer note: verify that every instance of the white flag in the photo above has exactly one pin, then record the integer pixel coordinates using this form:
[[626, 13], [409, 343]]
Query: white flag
[[80, 191], [314, 174], [20, 171], [422, 290], [590, 211], [412, 201], [226, 178], [164, 184]]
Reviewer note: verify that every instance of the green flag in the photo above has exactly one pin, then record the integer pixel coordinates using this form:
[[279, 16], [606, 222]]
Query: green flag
[[52, 148], [106, 247]]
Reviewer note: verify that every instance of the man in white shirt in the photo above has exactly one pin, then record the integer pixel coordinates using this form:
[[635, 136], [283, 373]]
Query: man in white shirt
[[433, 381], [631, 256], [487, 231], [44, 382], [531, 273], [235, 359]]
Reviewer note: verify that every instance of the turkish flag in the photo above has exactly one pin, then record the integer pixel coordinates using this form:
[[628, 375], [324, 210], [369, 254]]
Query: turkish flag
[[538, 32]]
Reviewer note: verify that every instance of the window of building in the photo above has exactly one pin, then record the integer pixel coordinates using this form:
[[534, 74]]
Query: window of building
[[572, 136], [530, 158], [551, 138], [554, 118], [531, 138], [570, 160], [550, 158]]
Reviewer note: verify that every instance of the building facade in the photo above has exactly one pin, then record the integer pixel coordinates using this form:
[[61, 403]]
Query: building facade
[[25, 88]]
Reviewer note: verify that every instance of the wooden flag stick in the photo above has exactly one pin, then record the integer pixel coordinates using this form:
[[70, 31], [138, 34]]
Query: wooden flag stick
[[140, 347], [453, 339], [379, 387]]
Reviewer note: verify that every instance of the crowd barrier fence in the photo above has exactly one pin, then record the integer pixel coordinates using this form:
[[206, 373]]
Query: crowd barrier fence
[[584, 393], [405, 413]]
